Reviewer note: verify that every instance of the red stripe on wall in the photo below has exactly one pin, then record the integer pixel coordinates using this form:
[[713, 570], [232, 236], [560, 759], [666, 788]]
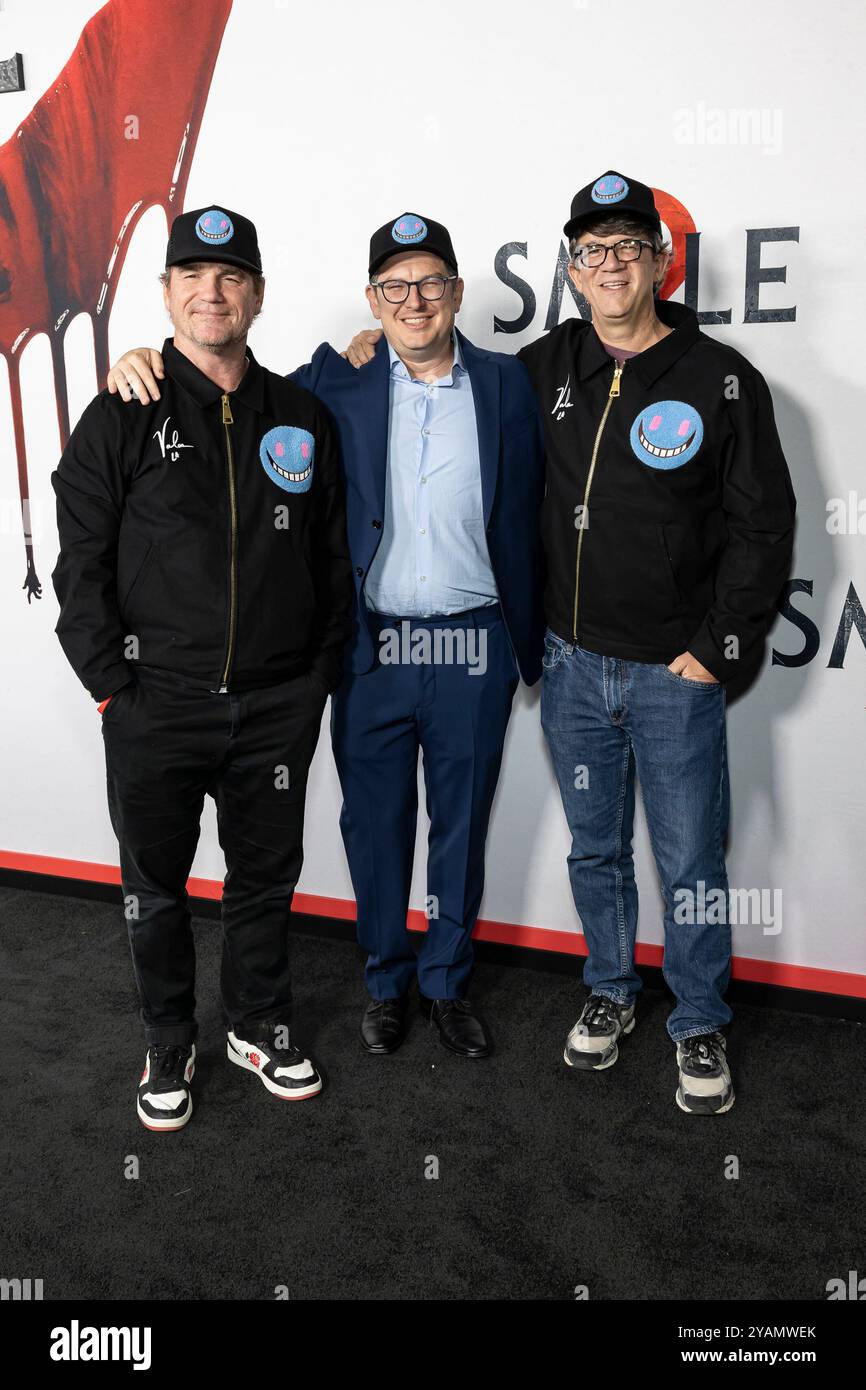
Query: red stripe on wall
[[766, 972]]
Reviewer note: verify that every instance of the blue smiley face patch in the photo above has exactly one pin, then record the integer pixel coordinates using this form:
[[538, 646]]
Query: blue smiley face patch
[[667, 434], [409, 229], [287, 455], [214, 227], [609, 189]]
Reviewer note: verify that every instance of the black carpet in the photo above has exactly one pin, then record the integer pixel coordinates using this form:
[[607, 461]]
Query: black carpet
[[547, 1179]]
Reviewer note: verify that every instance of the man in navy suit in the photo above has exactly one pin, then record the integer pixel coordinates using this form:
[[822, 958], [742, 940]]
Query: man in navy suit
[[443, 455]]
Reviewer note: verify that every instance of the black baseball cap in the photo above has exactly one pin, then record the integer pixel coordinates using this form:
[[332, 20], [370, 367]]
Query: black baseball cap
[[214, 234], [612, 192], [411, 232]]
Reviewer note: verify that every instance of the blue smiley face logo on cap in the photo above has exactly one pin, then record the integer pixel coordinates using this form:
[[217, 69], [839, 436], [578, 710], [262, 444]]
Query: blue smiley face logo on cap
[[667, 434], [287, 454], [609, 189], [214, 227], [409, 229]]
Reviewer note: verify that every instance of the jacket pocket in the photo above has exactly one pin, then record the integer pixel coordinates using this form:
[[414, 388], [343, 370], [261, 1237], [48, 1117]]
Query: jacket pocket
[[309, 585], [669, 564], [124, 594]]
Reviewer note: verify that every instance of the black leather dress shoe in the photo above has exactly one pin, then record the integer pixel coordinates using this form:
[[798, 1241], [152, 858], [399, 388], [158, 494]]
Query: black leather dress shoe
[[383, 1026], [460, 1028]]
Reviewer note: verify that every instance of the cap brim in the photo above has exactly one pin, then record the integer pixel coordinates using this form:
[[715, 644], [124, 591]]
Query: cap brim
[[404, 250], [227, 259], [575, 224]]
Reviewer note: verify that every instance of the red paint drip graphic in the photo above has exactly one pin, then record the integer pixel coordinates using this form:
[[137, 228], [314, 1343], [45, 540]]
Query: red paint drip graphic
[[73, 186]]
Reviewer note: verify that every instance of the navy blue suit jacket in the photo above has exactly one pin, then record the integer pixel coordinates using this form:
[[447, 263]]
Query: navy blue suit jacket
[[511, 454]]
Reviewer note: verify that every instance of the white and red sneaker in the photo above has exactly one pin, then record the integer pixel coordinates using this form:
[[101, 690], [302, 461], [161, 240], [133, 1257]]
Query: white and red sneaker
[[285, 1071], [164, 1097]]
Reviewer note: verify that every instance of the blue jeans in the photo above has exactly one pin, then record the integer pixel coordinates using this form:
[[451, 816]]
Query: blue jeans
[[605, 719]]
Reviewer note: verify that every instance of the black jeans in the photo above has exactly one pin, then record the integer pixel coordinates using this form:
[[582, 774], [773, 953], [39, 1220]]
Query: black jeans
[[167, 744]]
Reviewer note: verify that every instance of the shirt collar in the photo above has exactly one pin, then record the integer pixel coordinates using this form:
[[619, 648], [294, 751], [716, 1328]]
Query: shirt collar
[[205, 392], [650, 364], [398, 368]]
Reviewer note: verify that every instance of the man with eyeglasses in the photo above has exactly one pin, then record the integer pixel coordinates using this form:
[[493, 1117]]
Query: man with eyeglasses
[[668, 528], [443, 455]]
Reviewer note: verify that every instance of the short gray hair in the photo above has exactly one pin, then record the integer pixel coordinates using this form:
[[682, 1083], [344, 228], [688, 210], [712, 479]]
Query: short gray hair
[[622, 226]]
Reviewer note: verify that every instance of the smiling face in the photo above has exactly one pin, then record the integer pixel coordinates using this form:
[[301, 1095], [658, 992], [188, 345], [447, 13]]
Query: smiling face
[[214, 227], [288, 453], [610, 188], [667, 434], [211, 303], [418, 327], [619, 291]]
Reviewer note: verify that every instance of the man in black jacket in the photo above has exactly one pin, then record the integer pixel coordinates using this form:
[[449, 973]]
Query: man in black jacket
[[668, 526], [443, 457], [204, 585]]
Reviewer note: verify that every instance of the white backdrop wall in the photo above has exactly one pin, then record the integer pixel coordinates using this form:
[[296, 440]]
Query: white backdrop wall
[[325, 120]]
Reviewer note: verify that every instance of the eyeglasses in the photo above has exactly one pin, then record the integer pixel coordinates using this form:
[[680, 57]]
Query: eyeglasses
[[629, 250], [395, 291]]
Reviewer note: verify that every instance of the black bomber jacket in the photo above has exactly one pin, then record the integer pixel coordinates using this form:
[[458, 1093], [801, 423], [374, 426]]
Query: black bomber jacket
[[203, 534], [669, 513]]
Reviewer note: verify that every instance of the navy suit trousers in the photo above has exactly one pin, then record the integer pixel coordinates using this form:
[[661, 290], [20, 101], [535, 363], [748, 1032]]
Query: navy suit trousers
[[445, 686]]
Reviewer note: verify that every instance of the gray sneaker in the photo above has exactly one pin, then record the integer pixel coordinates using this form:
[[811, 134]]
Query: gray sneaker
[[592, 1043], [705, 1086]]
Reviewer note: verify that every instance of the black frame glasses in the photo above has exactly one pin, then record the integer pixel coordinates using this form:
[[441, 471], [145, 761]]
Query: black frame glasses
[[416, 284], [615, 246]]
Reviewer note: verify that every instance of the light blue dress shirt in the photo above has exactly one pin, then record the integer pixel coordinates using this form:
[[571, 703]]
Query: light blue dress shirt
[[433, 556]]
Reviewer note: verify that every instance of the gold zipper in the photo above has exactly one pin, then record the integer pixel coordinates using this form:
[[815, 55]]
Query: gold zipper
[[612, 394], [229, 420]]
